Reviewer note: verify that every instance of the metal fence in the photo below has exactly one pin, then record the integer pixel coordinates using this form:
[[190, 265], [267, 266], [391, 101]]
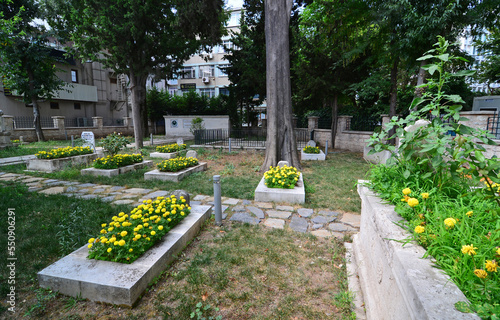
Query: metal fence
[[78, 122], [362, 123], [493, 126], [249, 137], [110, 122], [26, 122]]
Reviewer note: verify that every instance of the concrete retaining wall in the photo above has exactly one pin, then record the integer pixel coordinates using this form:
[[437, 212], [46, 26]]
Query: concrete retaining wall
[[396, 282]]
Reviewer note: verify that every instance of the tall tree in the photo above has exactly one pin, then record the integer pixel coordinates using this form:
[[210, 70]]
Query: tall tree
[[141, 37], [489, 69], [26, 63], [280, 143]]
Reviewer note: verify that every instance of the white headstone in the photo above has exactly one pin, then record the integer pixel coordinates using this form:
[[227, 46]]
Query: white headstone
[[311, 143], [89, 140], [191, 153], [180, 141], [283, 163]]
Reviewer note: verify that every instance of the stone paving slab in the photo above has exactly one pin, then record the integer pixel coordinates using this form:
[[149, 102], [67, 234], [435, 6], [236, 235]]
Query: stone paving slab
[[257, 212], [322, 233], [200, 197], [354, 220], [305, 213], [263, 205], [244, 217], [239, 209], [126, 201], [231, 201], [299, 224], [53, 190], [275, 223], [284, 208], [279, 214], [136, 190]]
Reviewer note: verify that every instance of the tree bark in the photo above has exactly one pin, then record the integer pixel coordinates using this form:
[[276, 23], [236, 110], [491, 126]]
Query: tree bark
[[420, 81], [138, 99], [335, 109], [36, 108], [280, 143], [393, 95]]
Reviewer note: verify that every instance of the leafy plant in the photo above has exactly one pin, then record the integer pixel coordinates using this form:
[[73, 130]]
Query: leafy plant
[[311, 149], [196, 124], [176, 164], [201, 311], [285, 177], [114, 142], [117, 161]]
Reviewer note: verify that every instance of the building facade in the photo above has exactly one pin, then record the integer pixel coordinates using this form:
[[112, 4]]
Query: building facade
[[90, 90]]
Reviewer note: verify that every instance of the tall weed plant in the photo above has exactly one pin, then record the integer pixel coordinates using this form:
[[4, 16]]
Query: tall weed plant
[[435, 178]]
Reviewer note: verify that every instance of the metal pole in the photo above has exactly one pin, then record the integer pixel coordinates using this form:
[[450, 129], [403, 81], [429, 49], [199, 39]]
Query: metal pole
[[72, 141], [151, 135], [229, 145], [217, 201], [326, 148]]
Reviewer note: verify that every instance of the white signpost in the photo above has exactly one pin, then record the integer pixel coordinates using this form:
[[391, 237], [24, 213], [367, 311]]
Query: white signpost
[[88, 137]]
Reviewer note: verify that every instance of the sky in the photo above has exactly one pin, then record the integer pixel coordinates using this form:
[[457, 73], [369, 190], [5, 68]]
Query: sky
[[235, 3]]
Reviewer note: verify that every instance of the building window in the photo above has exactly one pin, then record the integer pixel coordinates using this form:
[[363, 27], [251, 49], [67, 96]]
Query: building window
[[208, 92], [54, 105], [222, 70], [207, 71], [112, 80], [77, 106], [224, 91], [226, 45], [74, 76], [187, 73]]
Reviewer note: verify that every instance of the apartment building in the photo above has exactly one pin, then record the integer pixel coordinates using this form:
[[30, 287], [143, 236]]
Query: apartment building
[[90, 90]]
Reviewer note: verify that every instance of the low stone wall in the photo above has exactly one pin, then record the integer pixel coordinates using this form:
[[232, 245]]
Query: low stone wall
[[29, 135], [397, 283]]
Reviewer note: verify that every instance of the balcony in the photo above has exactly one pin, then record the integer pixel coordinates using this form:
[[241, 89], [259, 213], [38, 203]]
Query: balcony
[[77, 92]]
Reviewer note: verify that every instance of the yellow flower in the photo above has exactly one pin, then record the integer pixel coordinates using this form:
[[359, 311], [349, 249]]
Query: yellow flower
[[491, 265], [160, 228], [469, 213], [469, 249], [90, 245], [121, 242], [419, 229], [123, 233], [498, 251], [450, 222], [480, 273], [103, 225], [425, 195], [153, 233], [412, 202], [91, 240], [406, 191], [109, 249], [130, 250]]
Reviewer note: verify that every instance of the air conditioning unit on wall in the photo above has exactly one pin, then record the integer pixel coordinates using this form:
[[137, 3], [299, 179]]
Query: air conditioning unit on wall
[[205, 79]]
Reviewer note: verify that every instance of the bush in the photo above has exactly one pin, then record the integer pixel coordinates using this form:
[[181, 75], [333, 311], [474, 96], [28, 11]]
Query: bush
[[196, 124], [63, 152], [114, 142], [117, 161]]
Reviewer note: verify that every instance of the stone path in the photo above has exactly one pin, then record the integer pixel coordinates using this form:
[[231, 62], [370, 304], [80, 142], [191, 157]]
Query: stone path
[[321, 223]]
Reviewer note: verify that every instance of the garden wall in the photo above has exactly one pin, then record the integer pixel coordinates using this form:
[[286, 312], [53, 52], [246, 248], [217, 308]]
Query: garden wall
[[178, 126], [345, 139], [396, 282]]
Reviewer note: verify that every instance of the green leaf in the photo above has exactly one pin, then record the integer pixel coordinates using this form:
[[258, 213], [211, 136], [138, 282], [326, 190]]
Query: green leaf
[[464, 73], [454, 98], [416, 102], [406, 174], [426, 57], [444, 57], [479, 156], [464, 307]]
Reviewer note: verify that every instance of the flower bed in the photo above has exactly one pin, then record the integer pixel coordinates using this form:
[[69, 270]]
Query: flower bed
[[310, 149], [281, 177], [312, 156], [174, 176], [117, 171], [63, 152], [52, 165], [127, 237], [117, 160], [170, 148], [177, 164]]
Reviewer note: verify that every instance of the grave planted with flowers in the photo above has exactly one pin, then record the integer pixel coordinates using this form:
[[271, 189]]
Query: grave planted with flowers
[[446, 189], [113, 165], [312, 153], [59, 158], [176, 169], [168, 151], [127, 236], [282, 183]]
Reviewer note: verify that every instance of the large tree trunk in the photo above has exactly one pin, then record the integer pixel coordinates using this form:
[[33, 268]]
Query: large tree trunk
[[36, 108], [393, 95], [138, 99], [335, 111], [280, 144]]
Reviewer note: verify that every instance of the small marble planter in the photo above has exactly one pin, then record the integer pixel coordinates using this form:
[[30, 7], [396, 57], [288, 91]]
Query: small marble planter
[[295, 195], [163, 155], [174, 176], [312, 156], [117, 171], [52, 165]]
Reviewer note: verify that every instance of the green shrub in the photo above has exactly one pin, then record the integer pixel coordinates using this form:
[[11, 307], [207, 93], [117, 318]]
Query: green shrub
[[114, 142]]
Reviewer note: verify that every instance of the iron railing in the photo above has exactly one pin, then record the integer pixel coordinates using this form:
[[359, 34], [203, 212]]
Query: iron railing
[[493, 126], [26, 122], [362, 123], [78, 122], [249, 137]]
